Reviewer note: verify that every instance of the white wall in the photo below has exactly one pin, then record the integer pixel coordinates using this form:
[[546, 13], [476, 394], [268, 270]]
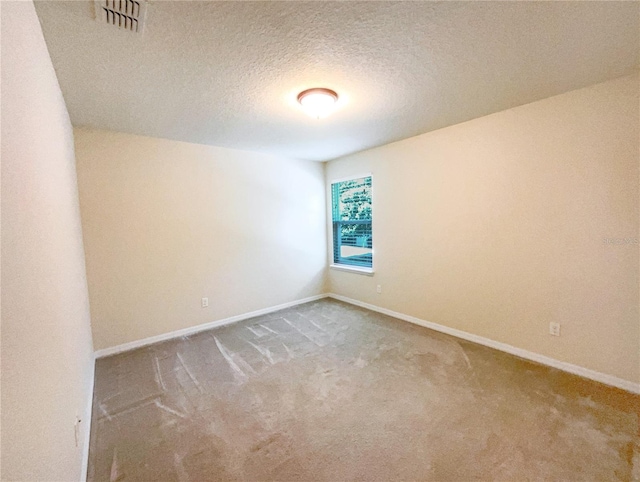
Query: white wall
[[47, 357], [167, 223], [496, 227]]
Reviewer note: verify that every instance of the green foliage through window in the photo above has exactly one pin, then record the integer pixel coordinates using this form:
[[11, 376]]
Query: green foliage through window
[[352, 235]]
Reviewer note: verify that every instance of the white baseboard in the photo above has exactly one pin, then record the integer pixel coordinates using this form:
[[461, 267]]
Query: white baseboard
[[86, 424], [198, 328], [529, 355]]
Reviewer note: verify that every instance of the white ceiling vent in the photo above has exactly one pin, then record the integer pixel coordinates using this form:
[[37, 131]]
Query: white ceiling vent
[[124, 14]]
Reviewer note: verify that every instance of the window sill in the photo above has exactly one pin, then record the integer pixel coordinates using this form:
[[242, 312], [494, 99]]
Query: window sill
[[352, 269]]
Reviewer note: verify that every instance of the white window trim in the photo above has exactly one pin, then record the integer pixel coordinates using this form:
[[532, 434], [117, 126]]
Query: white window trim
[[348, 267], [351, 178], [352, 269]]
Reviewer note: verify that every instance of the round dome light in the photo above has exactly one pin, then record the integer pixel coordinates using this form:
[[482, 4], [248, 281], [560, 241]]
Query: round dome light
[[318, 102]]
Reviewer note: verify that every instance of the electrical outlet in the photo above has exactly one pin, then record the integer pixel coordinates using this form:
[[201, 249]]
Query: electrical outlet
[[205, 302], [76, 430], [379, 289], [554, 329]]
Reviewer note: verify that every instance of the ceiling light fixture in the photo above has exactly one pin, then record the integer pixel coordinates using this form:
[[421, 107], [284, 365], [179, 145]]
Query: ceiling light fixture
[[318, 102]]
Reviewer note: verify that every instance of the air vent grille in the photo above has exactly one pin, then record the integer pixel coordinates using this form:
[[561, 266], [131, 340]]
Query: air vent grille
[[124, 14]]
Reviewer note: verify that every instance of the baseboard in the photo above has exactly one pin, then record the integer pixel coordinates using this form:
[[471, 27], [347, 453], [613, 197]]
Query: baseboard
[[104, 352], [529, 355], [86, 423]]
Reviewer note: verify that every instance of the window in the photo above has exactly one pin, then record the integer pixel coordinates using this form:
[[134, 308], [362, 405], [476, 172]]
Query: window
[[351, 216]]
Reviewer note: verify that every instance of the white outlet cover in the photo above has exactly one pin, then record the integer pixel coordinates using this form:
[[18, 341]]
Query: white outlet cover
[[554, 329]]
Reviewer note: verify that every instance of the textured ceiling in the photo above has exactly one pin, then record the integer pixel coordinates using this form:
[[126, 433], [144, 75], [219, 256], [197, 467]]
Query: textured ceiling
[[227, 73]]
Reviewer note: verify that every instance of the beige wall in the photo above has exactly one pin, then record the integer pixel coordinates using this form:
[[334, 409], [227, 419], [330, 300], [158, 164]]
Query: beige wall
[[496, 227], [47, 357], [167, 223]]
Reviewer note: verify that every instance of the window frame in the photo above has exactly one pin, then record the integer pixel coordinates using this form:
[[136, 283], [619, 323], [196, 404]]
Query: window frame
[[365, 270]]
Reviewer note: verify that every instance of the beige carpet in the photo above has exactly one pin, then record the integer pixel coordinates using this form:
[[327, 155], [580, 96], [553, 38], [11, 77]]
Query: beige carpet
[[330, 392]]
